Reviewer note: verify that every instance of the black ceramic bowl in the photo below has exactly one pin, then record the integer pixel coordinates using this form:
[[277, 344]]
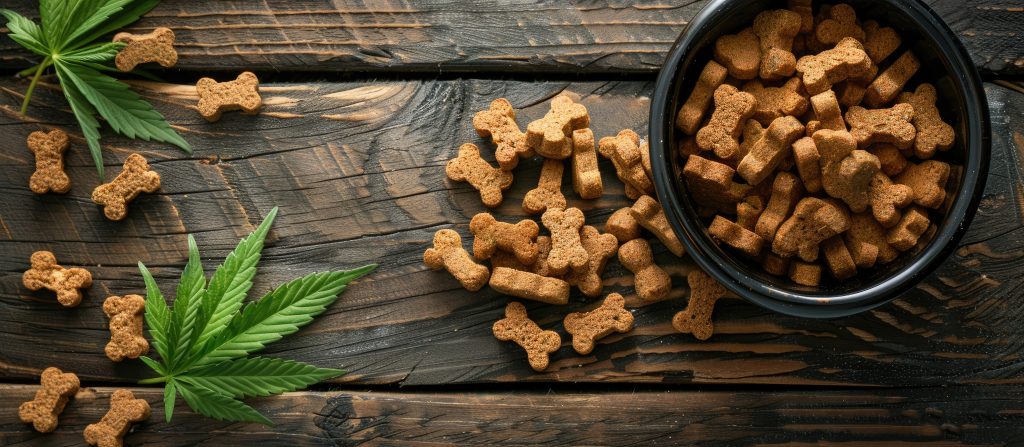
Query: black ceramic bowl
[[944, 63]]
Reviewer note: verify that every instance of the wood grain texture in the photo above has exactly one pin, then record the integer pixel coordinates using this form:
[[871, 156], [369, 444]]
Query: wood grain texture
[[439, 36], [357, 169], [972, 415]]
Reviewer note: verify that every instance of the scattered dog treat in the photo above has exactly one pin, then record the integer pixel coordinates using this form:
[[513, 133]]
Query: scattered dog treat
[[766, 154], [566, 248], [126, 339], [826, 109], [813, 221], [651, 282], [648, 213], [887, 198], [805, 273], [879, 41], [821, 71], [846, 171], [528, 285], [890, 82], [692, 112], [517, 327], [732, 108], [489, 235], [135, 178], [624, 152], [49, 148], [740, 53], [776, 30], [776, 102], [711, 185], [808, 163], [47, 274], [124, 410], [548, 193], [841, 23], [157, 46], [838, 258], [586, 177], [928, 181], [57, 387], [786, 192], [932, 133], [890, 125], [905, 234], [735, 236], [217, 97], [696, 319], [549, 136], [893, 162], [600, 248], [622, 225], [499, 123], [447, 253], [470, 167], [588, 327]]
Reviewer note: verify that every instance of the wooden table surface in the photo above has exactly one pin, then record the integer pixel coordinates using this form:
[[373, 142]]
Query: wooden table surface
[[364, 104]]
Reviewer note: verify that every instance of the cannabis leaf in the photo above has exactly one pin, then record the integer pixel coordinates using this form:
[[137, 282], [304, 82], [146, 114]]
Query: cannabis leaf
[[67, 41], [205, 339]]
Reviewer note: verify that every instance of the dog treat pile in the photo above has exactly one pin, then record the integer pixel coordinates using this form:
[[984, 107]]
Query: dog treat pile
[[806, 148]]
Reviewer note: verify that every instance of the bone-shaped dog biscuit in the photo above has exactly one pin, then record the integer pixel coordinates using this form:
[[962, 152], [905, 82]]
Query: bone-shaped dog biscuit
[[566, 248], [49, 150], [157, 46], [625, 154], [588, 327], [776, 30], [622, 225], [710, 184], [821, 71], [696, 319], [841, 22], [51, 397], [489, 235], [517, 327], [770, 150], [529, 285], [46, 273], [740, 53], [447, 253], [838, 258], [126, 339], [932, 132], [846, 171], [651, 282], [808, 163], [786, 192], [135, 178], [732, 108], [813, 221], [734, 235], [892, 125], [548, 193], [887, 198], [549, 136], [216, 97], [600, 247], [499, 123], [775, 102], [692, 112], [928, 180], [890, 82], [469, 167], [649, 214], [124, 410], [586, 177]]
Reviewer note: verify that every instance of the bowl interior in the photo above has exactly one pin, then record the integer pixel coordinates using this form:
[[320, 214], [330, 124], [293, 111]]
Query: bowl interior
[[957, 102]]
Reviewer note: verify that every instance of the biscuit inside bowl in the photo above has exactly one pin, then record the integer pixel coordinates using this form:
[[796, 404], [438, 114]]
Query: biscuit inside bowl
[[961, 103]]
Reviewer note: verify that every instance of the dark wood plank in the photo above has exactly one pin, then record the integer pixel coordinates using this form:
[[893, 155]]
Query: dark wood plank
[[438, 36], [975, 415], [357, 169]]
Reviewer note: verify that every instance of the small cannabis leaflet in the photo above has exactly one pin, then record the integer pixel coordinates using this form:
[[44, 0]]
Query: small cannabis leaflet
[[206, 339], [68, 41]]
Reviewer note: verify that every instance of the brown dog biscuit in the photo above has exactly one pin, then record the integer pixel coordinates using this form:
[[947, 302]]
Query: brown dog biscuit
[[841, 22], [838, 258], [543, 252], [776, 102], [47, 274], [808, 163], [740, 53], [688, 146], [775, 30], [887, 198], [770, 150], [849, 92], [786, 192], [846, 171], [803, 7], [890, 82], [490, 235], [692, 112], [651, 282], [57, 387], [124, 410], [710, 184], [879, 42], [813, 221], [804, 273], [588, 327], [49, 151], [892, 160], [774, 264], [469, 167], [135, 178], [704, 293], [529, 285], [847, 60], [890, 125], [518, 327], [217, 97], [649, 214], [548, 193], [928, 180], [932, 132], [586, 177], [827, 111], [157, 46], [732, 108], [499, 123], [126, 339], [645, 159], [735, 236], [911, 226], [748, 211], [624, 152], [622, 225], [549, 136], [447, 253], [566, 248], [600, 248], [866, 240], [752, 131]]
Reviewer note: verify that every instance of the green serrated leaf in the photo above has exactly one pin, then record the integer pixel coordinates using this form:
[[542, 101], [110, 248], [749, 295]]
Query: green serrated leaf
[[128, 14], [218, 406], [187, 302], [25, 32], [281, 312], [94, 55], [157, 313], [153, 364], [232, 281], [87, 22], [257, 376], [85, 114], [123, 109], [170, 392]]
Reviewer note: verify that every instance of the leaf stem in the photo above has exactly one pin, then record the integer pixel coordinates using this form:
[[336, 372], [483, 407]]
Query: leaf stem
[[29, 70], [152, 380], [32, 85]]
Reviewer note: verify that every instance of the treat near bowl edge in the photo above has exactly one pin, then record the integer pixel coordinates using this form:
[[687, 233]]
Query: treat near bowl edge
[[944, 63]]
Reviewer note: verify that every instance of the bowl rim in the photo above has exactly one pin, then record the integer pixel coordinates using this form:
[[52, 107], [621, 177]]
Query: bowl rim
[[699, 245]]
